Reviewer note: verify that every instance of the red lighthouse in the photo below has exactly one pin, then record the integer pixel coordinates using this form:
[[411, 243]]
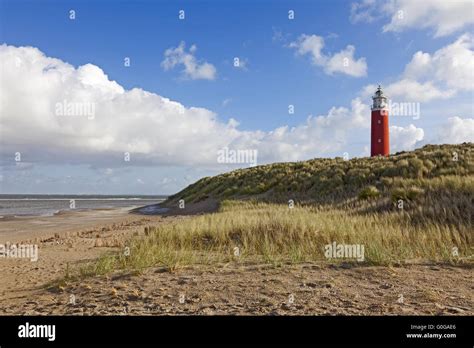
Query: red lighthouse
[[379, 138]]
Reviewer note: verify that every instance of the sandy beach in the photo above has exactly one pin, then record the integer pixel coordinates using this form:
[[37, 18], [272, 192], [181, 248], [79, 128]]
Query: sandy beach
[[67, 238], [234, 288], [43, 227]]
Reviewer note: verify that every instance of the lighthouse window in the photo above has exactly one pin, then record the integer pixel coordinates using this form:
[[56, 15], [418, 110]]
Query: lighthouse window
[[379, 122], [380, 140]]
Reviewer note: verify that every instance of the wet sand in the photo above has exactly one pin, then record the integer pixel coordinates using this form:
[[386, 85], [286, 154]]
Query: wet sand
[[42, 227]]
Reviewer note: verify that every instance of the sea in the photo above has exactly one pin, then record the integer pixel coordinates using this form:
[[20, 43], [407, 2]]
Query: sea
[[15, 205]]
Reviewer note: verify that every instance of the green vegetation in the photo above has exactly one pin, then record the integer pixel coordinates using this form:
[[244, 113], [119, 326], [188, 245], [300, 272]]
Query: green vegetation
[[274, 233], [369, 192], [333, 180], [411, 206]]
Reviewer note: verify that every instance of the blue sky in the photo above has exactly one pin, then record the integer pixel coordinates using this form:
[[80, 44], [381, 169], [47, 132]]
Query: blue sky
[[276, 74]]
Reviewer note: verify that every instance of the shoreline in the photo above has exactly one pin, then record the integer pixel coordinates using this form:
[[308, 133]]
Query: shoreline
[[10, 217], [25, 212], [21, 228]]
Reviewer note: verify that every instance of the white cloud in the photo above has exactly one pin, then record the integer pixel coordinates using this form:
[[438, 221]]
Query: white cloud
[[364, 11], [411, 90], [312, 44], [318, 136], [456, 130], [341, 62], [408, 90], [193, 69], [452, 65], [344, 62], [357, 116], [441, 16], [405, 138], [154, 130], [441, 75]]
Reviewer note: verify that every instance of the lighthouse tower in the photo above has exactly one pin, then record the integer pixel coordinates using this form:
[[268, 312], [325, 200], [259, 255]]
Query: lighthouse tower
[[379, 139]]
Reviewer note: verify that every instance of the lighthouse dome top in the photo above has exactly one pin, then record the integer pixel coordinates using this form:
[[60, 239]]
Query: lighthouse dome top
[[380, 99], [379, 91]]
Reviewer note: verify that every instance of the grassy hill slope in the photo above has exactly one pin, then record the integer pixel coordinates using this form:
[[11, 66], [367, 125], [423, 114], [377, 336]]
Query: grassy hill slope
[[332, 180], [434, 182], [412, 206]]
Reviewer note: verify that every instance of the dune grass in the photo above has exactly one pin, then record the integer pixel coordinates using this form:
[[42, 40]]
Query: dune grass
[[412, 206], [274, 233], [332, 179]]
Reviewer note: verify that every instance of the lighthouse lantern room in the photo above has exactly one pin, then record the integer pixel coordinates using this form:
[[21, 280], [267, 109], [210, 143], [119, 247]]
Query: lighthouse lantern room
[[379, 125]]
